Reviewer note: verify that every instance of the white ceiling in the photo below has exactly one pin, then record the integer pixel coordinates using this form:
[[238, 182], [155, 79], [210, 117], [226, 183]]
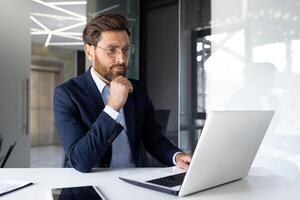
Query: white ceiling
[[58, 22]]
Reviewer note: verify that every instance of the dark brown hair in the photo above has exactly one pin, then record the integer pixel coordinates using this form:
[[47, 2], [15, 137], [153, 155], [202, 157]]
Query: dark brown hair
[[106, 22]]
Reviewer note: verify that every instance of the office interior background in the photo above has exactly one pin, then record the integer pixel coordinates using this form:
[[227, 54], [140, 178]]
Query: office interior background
[[193, 56]]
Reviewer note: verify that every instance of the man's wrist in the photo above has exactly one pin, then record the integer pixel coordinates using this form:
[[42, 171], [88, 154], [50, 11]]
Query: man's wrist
[[111, 112], [174, 157], [116, 108]]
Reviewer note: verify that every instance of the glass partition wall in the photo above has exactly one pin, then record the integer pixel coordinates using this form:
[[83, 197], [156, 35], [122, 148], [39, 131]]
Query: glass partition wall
[[194, 50], [242, 55]]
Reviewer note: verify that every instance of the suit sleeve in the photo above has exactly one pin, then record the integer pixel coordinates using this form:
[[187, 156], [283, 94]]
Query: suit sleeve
[[83, 146]]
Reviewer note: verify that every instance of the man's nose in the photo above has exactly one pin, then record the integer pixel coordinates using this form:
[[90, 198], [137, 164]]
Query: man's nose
[[121, 57]]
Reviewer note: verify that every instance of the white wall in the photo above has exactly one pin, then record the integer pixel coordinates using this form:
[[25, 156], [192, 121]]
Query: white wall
[[14, 70], [255, 64]]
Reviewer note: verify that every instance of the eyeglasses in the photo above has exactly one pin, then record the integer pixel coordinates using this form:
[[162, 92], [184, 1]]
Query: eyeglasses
[[114, 51]]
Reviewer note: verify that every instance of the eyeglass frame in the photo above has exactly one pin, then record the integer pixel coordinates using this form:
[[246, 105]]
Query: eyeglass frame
[[118, 49]]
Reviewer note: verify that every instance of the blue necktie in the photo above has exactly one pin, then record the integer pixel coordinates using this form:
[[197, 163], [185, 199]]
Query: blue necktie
[[121, 152]]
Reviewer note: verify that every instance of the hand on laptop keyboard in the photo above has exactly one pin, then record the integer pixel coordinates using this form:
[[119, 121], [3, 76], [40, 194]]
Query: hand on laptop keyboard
[[183, 160]]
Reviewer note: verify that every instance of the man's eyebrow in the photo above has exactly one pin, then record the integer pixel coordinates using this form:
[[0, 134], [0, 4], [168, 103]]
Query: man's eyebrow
[[115, 45], [112, 45]]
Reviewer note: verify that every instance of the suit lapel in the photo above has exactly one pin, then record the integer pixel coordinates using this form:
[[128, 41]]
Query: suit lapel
[[93, 93], [130, 119]]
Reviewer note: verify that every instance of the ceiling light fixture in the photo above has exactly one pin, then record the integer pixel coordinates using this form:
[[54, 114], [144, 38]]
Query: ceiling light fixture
[[57, 17], [39, 23], [63, 3], [48, 39], [78, 19], [70, 27], [59, 9], [65, 43], [42, 32]]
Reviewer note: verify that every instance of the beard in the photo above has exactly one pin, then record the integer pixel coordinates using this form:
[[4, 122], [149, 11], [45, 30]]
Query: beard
[[112, 71]]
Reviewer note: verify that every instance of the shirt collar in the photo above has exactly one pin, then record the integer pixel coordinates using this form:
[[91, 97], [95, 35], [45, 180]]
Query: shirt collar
[[99, 83]]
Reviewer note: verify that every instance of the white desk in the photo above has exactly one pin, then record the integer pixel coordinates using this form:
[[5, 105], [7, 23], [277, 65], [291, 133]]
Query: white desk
[[259, 184]]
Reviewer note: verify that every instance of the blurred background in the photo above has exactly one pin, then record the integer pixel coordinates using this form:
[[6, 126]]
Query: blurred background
[[193, 56]]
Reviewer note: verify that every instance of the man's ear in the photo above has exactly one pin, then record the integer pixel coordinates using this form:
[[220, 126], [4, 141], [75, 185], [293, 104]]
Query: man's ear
[[89, 52]]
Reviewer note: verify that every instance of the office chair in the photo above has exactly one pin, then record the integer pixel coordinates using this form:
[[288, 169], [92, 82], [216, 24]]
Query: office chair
[[162, 117], [10, 149]]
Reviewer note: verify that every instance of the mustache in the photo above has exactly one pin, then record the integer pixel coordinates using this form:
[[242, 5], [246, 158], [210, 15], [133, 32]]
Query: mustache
[[119, 65]]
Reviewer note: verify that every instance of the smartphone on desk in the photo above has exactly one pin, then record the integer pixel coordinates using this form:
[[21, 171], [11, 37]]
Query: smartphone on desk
[[77, 193]]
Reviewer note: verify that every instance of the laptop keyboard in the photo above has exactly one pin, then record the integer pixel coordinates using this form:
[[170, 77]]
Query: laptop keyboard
[[169, 181]]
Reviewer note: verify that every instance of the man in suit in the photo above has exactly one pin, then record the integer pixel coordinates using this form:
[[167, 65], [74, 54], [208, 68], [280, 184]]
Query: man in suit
[[101, 116]]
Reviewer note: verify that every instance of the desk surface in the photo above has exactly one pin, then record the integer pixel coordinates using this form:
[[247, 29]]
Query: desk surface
[[259, 184]]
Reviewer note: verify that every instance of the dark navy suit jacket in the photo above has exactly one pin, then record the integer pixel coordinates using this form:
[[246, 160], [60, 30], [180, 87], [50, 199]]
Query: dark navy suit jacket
[[86, 131]]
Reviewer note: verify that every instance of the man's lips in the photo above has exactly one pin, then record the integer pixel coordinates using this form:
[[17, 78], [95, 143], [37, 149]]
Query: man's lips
[[119, 68]]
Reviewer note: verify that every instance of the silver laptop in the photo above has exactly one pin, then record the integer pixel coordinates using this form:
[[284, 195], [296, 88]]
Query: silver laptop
[[224, 153]]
